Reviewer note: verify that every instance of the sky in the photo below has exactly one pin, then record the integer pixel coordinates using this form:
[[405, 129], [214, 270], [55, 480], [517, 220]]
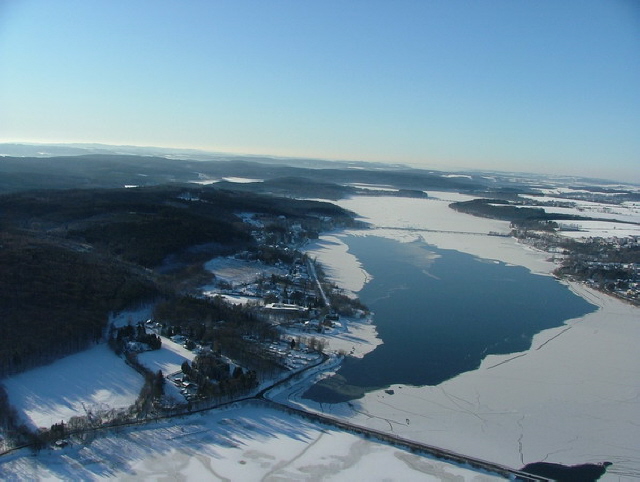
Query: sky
[[532, 85]]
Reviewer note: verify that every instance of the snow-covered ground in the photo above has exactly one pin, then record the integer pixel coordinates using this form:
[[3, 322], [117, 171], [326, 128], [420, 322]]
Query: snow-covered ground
[[331, 247], [131, 317], [233, 299], [598, 229], [372, 187], [241, 180], [573, 398], [614, 220], [168, 359], [244, 443], [239, 271], [629, 212], [93, 380], [609, 189]]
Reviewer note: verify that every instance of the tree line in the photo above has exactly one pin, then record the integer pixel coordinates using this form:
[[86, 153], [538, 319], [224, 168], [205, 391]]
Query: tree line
[[70, 257]]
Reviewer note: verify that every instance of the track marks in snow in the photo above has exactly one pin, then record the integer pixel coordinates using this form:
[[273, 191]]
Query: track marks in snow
[[284, 464], [374, 417], [457, 402]]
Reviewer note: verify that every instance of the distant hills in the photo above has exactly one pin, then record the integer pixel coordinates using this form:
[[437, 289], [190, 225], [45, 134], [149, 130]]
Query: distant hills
[[64, 166], [73, 167], [86, 229], [115, 171]]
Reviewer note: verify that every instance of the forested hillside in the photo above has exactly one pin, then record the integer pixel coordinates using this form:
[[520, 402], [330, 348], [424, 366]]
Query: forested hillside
[[113, 171], [517, 215], [69, 257], [55, 298]]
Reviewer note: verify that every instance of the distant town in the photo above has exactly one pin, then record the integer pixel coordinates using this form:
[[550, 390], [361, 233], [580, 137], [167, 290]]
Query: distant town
[[607, 261]]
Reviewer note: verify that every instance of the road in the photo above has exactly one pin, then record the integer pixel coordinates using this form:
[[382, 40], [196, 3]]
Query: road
[[263, 398], [417, 230], [312, 271], [437, 452]]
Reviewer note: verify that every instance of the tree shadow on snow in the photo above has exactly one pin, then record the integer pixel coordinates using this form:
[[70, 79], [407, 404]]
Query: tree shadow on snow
[[167, 444]]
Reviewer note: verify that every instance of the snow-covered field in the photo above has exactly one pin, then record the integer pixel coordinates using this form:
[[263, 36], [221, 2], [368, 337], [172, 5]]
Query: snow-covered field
[[372, 187], [573, 398], [242, 180], [234, 299], [598, 229], [614, 220], [92, 380], [238, 271], [167, 359], [132, 316], [623, 212], [244, 443]]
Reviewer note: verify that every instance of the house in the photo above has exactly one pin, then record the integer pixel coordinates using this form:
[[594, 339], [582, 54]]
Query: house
[[284, 308]]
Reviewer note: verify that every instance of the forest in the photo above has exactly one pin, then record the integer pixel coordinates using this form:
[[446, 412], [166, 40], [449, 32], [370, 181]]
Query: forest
[[113, 171], [69, 258], [518, 216]]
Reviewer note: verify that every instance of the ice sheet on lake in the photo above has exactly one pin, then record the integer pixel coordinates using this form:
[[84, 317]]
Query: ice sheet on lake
[[573, 398]]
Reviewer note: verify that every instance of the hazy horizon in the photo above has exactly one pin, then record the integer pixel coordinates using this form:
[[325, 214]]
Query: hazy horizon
[[191, 154], [537, 87]]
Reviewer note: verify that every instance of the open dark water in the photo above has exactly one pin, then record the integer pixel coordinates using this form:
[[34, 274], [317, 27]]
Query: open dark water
[[440, 318]]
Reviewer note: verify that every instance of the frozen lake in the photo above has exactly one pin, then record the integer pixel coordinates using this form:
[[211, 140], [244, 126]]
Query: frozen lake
[[571, 398], [439, 312]]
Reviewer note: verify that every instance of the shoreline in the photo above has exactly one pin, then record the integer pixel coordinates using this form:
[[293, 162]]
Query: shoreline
[[571, 398]]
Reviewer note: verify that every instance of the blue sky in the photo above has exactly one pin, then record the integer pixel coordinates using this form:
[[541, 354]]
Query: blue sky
[[540, 86]]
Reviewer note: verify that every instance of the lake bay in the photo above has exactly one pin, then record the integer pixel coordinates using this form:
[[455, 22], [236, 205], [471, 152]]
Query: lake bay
[[439, 312]]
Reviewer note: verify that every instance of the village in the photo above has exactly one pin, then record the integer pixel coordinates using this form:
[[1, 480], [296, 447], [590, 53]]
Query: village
[[607, 264], [284, 292], [294, 312]]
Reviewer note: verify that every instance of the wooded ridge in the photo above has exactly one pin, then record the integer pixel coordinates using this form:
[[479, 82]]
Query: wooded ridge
[[70, 257]]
